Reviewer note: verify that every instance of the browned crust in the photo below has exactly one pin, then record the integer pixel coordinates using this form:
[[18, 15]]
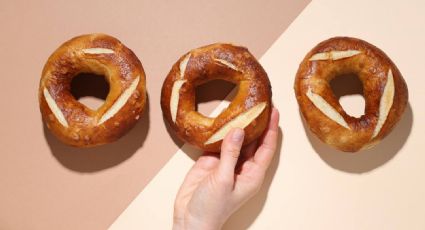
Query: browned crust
[[254, 87], [119, 69], [371, 66]]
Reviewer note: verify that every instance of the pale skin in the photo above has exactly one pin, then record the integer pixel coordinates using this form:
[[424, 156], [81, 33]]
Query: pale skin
[[215, 187]]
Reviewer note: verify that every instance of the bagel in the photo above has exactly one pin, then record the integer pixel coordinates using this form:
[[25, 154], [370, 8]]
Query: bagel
[[385, 93], [74, 123], [249, 110]]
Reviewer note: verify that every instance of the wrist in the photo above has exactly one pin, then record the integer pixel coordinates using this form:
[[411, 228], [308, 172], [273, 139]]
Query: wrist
[[192, 223]]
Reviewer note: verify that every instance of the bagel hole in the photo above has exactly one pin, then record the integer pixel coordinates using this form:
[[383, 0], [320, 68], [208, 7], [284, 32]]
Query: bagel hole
[[210, 94], [90, 89], [348, 89]]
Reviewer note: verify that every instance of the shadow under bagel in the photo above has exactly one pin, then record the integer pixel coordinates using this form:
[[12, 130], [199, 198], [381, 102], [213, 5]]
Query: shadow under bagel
[[93, 159], [365, 160]]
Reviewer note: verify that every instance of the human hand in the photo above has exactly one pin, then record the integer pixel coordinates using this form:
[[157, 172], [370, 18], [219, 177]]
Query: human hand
[[214, 188]]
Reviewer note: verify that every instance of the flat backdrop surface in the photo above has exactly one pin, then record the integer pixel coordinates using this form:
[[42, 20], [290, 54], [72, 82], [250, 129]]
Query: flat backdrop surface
[[46, 185]]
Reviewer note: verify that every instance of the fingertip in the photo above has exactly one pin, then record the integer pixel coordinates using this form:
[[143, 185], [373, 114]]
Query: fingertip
[[238, 134], [234, 136], [275, 113], [274, 119]]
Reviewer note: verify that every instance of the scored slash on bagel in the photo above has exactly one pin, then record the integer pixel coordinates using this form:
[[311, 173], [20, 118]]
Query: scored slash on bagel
[[175, 96], [326, 109], [226, 63], [98, 51], [74, 123], [183, 65], [175, 93], [334, 55], [385, 103], [385, 93], [250, 109], [241, 121], [57, 112], [120, 102]]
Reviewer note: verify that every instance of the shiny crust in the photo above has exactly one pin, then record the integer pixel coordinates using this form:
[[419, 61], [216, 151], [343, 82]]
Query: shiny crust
[[217, 61], [372, 66], [118, 64]]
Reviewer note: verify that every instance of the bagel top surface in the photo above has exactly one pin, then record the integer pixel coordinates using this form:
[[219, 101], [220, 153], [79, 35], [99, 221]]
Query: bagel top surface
[[73, 122], [385, 93], [250, 108]]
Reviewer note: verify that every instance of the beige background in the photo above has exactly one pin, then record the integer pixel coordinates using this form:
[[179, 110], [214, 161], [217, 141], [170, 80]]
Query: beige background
[[311, 186], [46, 185]]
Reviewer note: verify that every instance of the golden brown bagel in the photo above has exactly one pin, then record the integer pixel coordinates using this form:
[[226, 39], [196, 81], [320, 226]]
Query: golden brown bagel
[[74, 123], [250, 109], [384, 89]]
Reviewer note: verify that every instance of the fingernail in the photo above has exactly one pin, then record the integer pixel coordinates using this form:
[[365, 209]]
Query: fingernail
[[238, 135]]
